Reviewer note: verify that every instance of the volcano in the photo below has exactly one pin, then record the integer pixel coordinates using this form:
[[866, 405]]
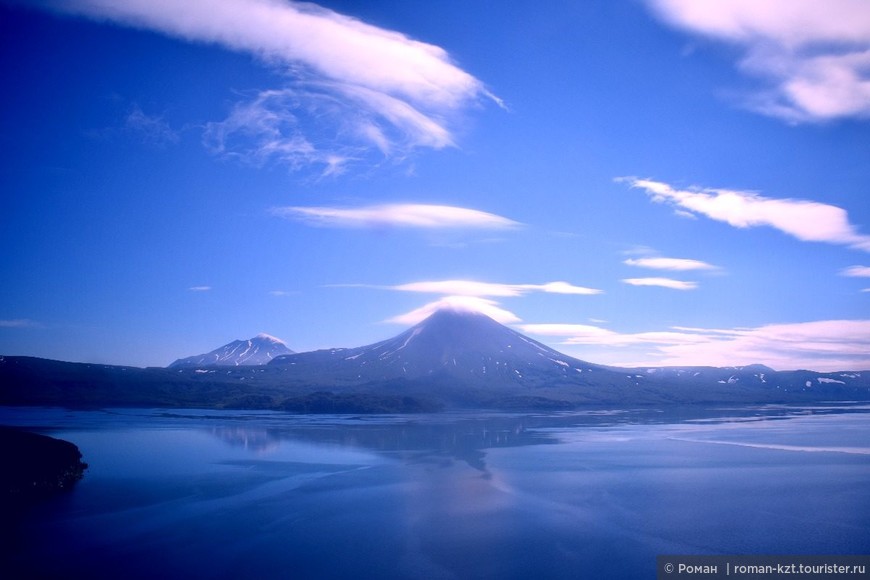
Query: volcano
[[450, 344], [259, 350]]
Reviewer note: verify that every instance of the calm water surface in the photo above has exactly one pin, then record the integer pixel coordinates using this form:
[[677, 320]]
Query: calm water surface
[[593, 494]]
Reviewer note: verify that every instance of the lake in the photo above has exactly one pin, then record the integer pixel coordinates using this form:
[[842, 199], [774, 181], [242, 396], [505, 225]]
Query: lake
[[586, 494]]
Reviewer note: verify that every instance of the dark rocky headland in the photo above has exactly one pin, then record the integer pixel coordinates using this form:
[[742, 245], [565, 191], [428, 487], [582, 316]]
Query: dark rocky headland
[[36, 466]]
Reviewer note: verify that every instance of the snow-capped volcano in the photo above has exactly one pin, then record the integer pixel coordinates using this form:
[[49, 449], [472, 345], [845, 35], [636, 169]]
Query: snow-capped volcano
[[450, 343], [463, 341], [259, 350]]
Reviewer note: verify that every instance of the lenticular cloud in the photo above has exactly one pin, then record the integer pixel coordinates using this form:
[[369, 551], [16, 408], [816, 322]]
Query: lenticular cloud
[[383, 91], [805, 220], [404, 215]]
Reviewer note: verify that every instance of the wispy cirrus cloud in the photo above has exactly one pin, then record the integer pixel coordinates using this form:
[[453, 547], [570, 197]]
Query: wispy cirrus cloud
[[323, 124], [662, 282], [200, 289], [814, 56], [402, 215], [350, 88], [675, 264], [857, 272], [805, 220], [475, 288], [825, 345], [19, 323], [153, 129], [485, 306]]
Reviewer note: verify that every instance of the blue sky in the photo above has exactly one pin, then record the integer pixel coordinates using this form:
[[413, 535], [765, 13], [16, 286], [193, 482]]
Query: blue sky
[[658, 182]]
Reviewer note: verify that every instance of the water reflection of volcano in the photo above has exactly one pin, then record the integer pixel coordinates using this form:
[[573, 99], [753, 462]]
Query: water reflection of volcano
[[464, 440], [459, 437], [249, 438], [412, 436]]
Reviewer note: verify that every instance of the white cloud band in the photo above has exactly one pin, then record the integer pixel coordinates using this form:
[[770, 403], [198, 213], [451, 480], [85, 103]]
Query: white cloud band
[[676, 264], [826, 345], [815, 55], [363, 86], [662, 282], [857, 271], [802, 219], [397, 215], [474, 288]]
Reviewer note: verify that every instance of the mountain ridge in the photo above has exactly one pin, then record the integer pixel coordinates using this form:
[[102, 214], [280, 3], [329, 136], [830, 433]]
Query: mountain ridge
[[450, 360]]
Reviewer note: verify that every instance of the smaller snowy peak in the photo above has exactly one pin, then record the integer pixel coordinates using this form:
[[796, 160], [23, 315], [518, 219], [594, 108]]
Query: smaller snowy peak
[[259, 350]]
